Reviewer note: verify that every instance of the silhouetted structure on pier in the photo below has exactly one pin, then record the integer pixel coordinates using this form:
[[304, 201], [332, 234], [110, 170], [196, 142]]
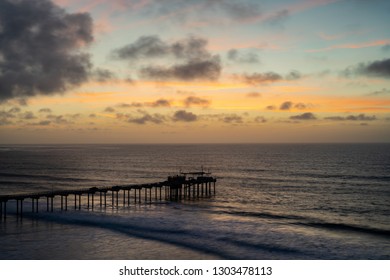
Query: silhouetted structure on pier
[[185, 185]]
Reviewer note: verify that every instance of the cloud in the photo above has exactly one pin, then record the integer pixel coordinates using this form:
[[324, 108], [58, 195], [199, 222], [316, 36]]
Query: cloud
[[147, 118], [103, 75], [191, 70], [206, 10], [40, 47], [293, 75], [260, 119], [270, 107], [109, 110], [261, 78], [144, 47], [278, 18], [286, 105], [257, 79], [253, 94], [192, 60], [301, 106], [58, 119], [197, 101], [41, 123], [160, 103], [184, 116], [384, 91], [238, 56], [131, 105], [28, 115], [304, 116], [360, 117], [379, 68], [45, 110], [5, 116], [232, 119], [386, 48], [236, 9]]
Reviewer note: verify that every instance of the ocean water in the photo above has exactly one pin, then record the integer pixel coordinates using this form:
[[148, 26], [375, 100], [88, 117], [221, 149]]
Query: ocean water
[[272, 201]]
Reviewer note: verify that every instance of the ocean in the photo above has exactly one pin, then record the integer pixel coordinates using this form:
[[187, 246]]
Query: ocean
[[272, 201]]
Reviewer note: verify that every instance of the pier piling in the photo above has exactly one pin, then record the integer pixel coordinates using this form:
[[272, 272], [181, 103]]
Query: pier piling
[[192, 185]]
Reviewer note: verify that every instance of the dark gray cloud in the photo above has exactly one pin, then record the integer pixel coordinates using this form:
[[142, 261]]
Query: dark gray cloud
[[240, 57], [40, 48], [44, 122], [234, 118], [188, 71], [109, 110], [293, 75], [360, 117], [147, 118], [278, 18], [28, 115], [237, 9], [206, 10], [286, 105], [383, 91], [7, 116], [45, 110], [260, 119], [130, 105], [196, 101], [270, 107], [257, 79], [379, 68], [150, 47], [184, 116], [261, 78], [304, 116], [300, 106], [144, 47], [160, 103], [192, 60], [103, 75], [14, 110], [58, 119]]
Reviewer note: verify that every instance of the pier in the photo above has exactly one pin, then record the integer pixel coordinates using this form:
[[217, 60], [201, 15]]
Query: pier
[[184, 186]]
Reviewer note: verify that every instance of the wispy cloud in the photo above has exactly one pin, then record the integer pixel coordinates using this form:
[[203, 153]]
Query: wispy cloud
[[353, 46]]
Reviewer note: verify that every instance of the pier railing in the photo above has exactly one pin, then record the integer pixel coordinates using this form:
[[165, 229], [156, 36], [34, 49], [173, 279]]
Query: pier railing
[[175, 188]]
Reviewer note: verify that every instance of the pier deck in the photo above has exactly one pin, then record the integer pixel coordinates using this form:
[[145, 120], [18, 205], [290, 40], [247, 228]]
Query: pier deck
[[191, 185]]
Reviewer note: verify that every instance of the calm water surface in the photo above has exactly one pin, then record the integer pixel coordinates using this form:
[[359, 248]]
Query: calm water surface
[[298, 201]]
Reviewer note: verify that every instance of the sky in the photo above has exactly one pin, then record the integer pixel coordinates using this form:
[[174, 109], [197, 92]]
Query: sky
[[196, 71]]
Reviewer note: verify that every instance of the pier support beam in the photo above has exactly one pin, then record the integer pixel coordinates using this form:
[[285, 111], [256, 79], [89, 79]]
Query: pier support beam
[[5, 210]]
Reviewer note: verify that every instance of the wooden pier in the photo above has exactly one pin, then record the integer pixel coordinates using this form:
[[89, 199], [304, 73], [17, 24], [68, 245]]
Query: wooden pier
[[184, 186]]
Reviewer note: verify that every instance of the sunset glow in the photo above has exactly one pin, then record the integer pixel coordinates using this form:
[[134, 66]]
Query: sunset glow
[[148, 71]]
